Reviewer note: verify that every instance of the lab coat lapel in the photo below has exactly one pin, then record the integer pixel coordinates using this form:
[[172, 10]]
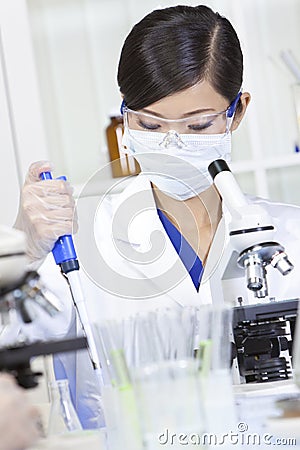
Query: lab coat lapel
[[138, 226], [217, 248], [215, 255]]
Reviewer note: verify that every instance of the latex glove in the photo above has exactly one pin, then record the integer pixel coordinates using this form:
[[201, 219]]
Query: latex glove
[[19, 420], [46, 211]]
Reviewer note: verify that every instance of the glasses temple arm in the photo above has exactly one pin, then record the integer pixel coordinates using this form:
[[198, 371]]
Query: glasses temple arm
[[232, 107]]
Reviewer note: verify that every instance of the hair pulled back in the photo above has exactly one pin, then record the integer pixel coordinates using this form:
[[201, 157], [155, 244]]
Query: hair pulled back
[[174, 48]]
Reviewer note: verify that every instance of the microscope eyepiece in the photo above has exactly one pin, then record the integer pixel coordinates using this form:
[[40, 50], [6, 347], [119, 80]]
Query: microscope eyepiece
[[217, 166]]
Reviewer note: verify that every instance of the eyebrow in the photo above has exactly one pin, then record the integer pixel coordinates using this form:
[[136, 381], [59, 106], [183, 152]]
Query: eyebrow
[[190, 113]]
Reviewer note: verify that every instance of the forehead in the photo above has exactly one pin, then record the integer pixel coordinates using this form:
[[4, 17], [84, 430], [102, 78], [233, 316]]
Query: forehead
[[201, 96]]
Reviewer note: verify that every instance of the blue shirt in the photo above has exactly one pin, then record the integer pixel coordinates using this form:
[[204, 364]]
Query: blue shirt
[[189, 258]]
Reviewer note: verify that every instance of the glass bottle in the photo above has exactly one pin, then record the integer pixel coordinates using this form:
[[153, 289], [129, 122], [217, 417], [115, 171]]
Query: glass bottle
[[122, 165], [63, 417]]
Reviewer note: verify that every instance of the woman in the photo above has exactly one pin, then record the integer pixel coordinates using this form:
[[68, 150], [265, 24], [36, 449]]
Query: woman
[[180, 75]]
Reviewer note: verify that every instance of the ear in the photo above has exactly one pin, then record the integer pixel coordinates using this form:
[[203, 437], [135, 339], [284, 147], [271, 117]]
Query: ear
[[245, 99]]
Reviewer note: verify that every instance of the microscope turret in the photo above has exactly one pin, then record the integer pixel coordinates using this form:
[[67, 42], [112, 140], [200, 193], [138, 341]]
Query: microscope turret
[[20, 290]]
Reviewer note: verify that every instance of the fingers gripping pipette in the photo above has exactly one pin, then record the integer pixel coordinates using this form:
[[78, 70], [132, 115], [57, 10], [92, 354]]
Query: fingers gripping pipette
[[65, 256]]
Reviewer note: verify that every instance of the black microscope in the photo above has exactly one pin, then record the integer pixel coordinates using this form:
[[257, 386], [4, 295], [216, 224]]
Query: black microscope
[[21, 296]]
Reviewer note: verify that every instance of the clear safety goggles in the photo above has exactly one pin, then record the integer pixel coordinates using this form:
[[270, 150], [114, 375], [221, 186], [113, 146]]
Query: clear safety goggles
[[216, 123]]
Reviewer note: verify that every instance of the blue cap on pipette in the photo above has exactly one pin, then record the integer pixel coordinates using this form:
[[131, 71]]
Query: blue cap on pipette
[[63, 251]]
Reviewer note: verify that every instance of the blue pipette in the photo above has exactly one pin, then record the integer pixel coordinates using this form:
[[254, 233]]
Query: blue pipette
[[65, 256]]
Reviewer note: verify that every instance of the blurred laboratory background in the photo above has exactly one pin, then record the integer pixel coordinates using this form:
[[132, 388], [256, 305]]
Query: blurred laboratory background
[[58, 89]]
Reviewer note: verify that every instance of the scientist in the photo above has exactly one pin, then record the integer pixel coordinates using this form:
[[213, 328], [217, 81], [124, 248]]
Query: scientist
[[180, 75]]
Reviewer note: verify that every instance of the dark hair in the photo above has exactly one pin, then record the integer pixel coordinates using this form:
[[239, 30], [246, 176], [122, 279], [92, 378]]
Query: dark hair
[[174, 48]]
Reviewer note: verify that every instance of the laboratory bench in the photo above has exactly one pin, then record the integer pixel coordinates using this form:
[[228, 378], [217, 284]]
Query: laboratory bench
[[261, 423]]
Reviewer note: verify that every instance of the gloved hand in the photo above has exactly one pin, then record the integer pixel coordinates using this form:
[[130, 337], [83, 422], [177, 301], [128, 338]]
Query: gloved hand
[[46, 211], [19, 420]]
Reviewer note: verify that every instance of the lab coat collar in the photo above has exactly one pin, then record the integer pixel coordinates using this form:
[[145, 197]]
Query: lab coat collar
[[139, 196], [136, 199]]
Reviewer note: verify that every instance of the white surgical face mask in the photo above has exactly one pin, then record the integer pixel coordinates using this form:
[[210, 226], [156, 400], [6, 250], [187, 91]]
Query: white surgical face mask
[[177, 164]]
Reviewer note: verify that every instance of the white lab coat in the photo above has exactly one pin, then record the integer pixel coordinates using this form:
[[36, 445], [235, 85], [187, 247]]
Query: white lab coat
[[126, 253]]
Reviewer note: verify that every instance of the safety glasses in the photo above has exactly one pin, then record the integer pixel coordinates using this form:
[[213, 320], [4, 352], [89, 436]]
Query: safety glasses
[[217, 123]]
